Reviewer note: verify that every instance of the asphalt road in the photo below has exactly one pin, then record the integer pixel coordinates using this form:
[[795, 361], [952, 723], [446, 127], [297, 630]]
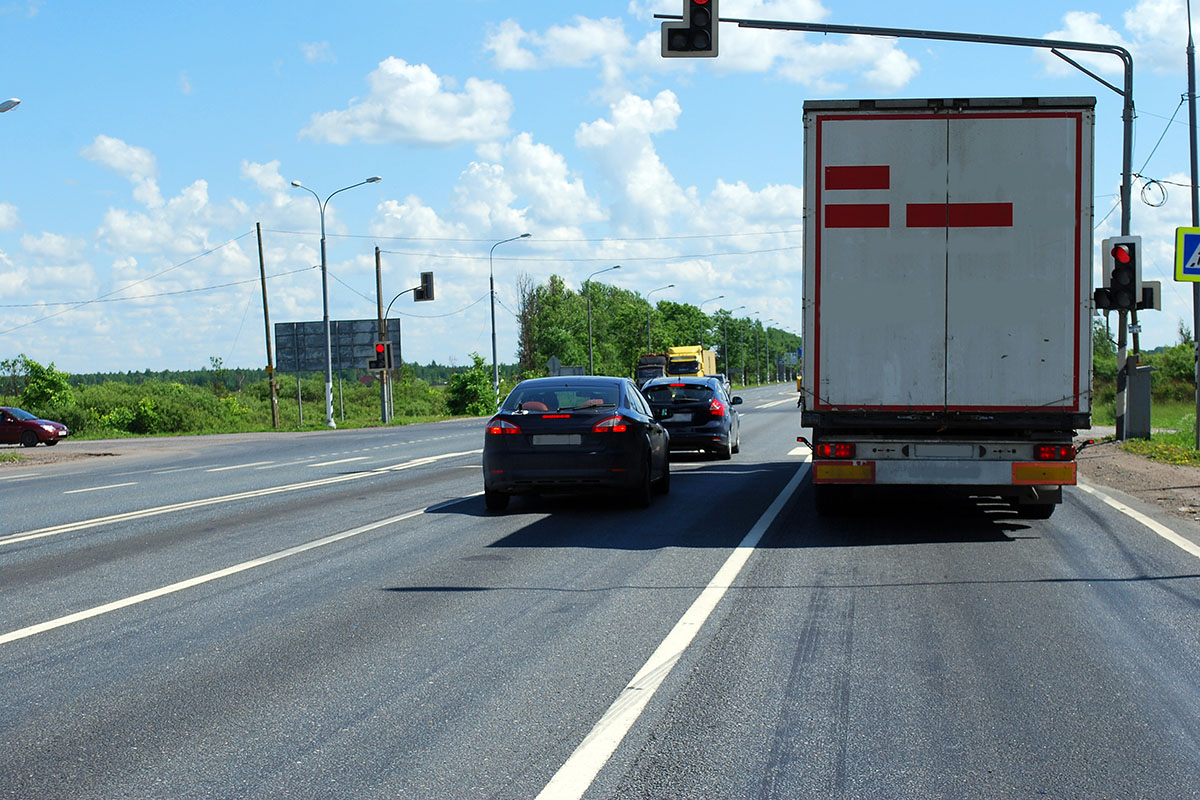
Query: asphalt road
[[335, 615]]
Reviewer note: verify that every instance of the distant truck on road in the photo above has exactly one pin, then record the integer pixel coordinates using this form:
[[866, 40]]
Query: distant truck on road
[[650, 365], [692, 360], [947, 295]]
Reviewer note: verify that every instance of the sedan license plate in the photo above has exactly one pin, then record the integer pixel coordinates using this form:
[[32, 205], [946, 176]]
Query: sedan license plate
[[557, 438], [680, 416]]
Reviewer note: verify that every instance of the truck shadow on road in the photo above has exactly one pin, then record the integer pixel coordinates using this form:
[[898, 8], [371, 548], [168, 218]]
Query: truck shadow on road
[[901, 516]]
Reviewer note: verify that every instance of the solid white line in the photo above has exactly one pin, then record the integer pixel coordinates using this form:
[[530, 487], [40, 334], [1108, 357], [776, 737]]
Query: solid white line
[[150, 512], [98, 488], [70, 619], [339, 461], [241, 466], [1171, 536], [576, 775], [181, 469]]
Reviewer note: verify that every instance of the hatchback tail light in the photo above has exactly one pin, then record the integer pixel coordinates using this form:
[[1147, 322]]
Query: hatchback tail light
[[1054, 452], [716, 408], [614, 424], [502, 426], [835, 450]]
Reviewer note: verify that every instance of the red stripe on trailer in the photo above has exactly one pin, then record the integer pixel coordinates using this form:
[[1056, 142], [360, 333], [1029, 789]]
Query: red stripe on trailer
[[858, 177], [857, 215], [959, 215]]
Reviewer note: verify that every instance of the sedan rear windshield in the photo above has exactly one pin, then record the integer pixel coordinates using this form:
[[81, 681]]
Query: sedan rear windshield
[[562, 398], [678, 393]]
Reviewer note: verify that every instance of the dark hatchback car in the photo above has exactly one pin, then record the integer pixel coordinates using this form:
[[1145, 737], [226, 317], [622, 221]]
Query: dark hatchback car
[[571, 434], [21, 427], [698, 413]]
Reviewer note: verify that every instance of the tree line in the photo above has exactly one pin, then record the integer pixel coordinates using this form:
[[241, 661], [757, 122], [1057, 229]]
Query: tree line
[[553, 322]]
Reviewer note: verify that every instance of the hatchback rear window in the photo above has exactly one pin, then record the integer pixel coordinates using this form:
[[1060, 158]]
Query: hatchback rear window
[[678, 393]]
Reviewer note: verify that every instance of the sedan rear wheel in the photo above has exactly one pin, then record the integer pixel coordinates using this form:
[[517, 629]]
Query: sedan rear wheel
[[644, 492], [663, 484], [29, 439], [495, 501]]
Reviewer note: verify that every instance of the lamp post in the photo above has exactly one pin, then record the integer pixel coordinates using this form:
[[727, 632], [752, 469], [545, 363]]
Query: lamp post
[[9, 104], [588, 288], [701, 307], [325, 293], [651, 308], [725, 333], [767, 335], [492, 290]]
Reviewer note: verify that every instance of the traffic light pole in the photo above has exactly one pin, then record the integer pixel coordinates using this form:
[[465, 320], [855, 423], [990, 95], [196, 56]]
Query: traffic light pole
[[1125, 365]]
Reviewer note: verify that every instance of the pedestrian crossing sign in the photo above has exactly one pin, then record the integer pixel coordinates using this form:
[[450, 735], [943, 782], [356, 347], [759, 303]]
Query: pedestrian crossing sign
[[1187, 254]]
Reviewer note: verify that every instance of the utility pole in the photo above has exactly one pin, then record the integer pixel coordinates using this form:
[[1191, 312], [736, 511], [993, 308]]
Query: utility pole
[[262, 271]]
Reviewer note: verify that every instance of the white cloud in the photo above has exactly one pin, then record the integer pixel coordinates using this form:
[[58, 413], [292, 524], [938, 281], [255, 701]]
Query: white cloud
[[185, 83], [1084, 26], [624, 147], [410, 103], [8, 217], [53, 246], [137, 164], [539, 174], [318, 51]]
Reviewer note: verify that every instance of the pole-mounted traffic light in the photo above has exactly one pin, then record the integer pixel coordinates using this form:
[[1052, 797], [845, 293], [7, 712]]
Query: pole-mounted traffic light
[[425, 290], [383, 356], [696, 35], [1122, 273]]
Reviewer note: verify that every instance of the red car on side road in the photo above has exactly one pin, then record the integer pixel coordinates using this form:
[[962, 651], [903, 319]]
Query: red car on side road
[[21, 427]]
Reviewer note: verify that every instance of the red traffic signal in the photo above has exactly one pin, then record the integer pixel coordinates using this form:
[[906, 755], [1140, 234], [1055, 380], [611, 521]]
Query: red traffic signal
[[696, 35]]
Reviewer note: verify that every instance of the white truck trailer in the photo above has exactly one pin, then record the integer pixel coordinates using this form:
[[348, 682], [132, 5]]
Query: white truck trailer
[[947, 295]]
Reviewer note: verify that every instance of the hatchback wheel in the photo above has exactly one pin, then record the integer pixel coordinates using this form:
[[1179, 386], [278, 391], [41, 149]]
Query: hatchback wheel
[[495, 501]]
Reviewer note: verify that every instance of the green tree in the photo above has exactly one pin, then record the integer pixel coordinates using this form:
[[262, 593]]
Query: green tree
[[470, 391], [45, 387]]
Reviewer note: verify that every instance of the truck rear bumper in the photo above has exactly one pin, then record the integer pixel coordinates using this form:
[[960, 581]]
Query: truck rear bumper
[[953, 472]]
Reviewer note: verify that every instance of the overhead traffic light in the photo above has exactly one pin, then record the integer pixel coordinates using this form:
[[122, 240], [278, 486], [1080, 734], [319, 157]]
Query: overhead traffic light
[[1122, 273], [425, 290], [696, 35]]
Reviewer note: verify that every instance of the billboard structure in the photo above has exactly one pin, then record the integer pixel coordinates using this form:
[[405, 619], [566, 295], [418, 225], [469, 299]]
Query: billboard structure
[[300, 346]]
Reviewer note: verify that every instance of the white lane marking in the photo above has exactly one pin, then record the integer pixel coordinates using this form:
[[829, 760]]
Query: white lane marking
[[20, 477], [798, 451], [99, 488], [33, 630], [150, 512], [576, 775], [1171, 536], [773, 403], [182, 469], [339, 461], [240, 466]]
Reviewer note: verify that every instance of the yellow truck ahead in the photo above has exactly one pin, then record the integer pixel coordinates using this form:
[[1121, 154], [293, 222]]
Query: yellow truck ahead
[[692, 360]]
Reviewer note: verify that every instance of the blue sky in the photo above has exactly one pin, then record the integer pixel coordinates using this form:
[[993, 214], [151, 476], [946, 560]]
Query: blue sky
[[151, 137]]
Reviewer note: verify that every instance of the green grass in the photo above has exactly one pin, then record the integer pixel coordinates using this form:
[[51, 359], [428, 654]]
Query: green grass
[[9, 458], [1176, 444]]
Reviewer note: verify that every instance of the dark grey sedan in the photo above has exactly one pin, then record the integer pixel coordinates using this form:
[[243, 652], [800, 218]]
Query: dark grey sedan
[[571, 434]]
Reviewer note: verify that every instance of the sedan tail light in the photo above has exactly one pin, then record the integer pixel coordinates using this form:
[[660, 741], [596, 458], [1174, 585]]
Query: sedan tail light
[[502, 426], [614, 424]]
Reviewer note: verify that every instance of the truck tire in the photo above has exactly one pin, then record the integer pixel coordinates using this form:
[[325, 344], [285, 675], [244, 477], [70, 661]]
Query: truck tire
[[1039, 511]]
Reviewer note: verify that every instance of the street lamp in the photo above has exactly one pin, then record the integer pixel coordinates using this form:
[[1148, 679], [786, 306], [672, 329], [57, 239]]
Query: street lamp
[[767, 335], [588, 288], [325, 293], [9, 104], [651, 308], [725, 333], [492, 290], [701, 307]]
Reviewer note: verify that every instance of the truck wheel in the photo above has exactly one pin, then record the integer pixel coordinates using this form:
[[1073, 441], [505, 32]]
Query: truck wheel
[[1040, 511]]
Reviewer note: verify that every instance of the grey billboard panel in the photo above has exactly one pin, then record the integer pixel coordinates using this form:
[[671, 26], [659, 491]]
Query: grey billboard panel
[[300, 346]]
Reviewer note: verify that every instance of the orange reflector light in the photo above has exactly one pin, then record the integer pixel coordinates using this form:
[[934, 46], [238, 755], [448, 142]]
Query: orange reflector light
[[1042, 474], [844, 472]]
